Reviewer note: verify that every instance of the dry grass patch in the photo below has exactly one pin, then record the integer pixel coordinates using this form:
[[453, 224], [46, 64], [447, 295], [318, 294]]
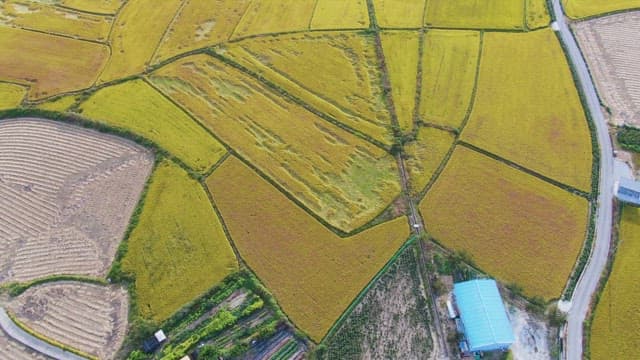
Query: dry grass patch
[[578, 9], [139, 108], [36, 59], [516, 227], [336, 73], [476, 14], [399, 13], [527, 108], [342, 178], [449, 66], [424, 156], [178, 249], [313, 273], [275, 16], [340, 14], [11, 95]]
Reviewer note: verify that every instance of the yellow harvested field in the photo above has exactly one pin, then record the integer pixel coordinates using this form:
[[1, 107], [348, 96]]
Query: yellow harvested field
[[178, 249], [61, 104], [36, 60], [476, 14], [340, 14], [137, 107], [614, 332], [313, 273], [337, 175], [449, 66], [11, 95], [399, 13], [336, 73], [579, 9], [94, 6], [201, 23], [275, 16], [54, 20], [424, 156], [515, 226], [136, 34], [537, 14], [401, 56], [527, 108]]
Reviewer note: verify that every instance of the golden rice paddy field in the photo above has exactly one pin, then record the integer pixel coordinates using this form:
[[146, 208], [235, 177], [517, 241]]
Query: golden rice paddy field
[[313, 273], [614, 332], [476, 14], [578, 9], [340, 14], [401, 57], [36, 59], [94, 6], [137, 107], [537, 14], [399, 13], [309, 66], [425, 155], [527, 108], [512, 224], [60, 104], [340, 177], [56, 20], [449, 63], [275, 16], [11, 95], [178, 249]]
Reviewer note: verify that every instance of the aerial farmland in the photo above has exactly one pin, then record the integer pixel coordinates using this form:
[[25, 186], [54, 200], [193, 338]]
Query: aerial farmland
[[313, 179]]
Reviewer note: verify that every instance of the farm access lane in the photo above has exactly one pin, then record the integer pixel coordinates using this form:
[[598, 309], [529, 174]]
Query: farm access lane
[[588, 281], [21, 336]]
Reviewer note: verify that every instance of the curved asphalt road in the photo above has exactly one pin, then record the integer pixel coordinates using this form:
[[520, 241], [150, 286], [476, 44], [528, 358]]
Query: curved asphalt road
[[588, 282]]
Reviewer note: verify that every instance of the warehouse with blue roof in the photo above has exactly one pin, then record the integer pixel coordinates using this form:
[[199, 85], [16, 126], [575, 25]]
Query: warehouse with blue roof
[[483, 315], [628, 191]]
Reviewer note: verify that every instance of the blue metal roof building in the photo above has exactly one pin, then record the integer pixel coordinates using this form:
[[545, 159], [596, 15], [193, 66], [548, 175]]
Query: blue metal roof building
[[483, 315], [628, 191]]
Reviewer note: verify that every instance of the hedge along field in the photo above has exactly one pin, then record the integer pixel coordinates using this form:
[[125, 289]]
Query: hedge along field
[[340, 177], [178, 249], [424, 156], [537, 14], [476, 14], [401, 56], [135, 35], [336, 73], [399, 13], [138, 107], [578, 9], [201, 23], [11, 95], [275, 16], [614, 332], [55, 20], [313, 273], [449, 66], [340, 14], [527, 108], [94, 6], [35, 59], [516, 227]]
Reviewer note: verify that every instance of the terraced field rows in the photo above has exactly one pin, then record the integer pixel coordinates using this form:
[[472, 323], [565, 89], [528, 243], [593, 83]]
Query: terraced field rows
[[12, 350], [89, 318]]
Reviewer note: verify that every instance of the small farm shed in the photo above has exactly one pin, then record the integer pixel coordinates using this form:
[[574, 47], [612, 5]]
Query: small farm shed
[[484, 319], [628, 191]]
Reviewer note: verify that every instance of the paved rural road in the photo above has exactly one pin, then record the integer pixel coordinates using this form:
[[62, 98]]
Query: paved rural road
[[24, 338], [588, 282]]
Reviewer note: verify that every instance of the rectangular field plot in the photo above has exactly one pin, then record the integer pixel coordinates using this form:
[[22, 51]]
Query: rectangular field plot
[[275, 16], [136, 34], [340, 14], [178, 249], [201, 23], [55, 20], [137, 107], [425, 154], [342, 178], [399, 13], [527, 108], [11, 95], [476, 14], [616, 313], [94, 6], [537, 14], [450, 59], [336, 73], [516, 227], [313, 273], [35, 59], [578, 9]]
